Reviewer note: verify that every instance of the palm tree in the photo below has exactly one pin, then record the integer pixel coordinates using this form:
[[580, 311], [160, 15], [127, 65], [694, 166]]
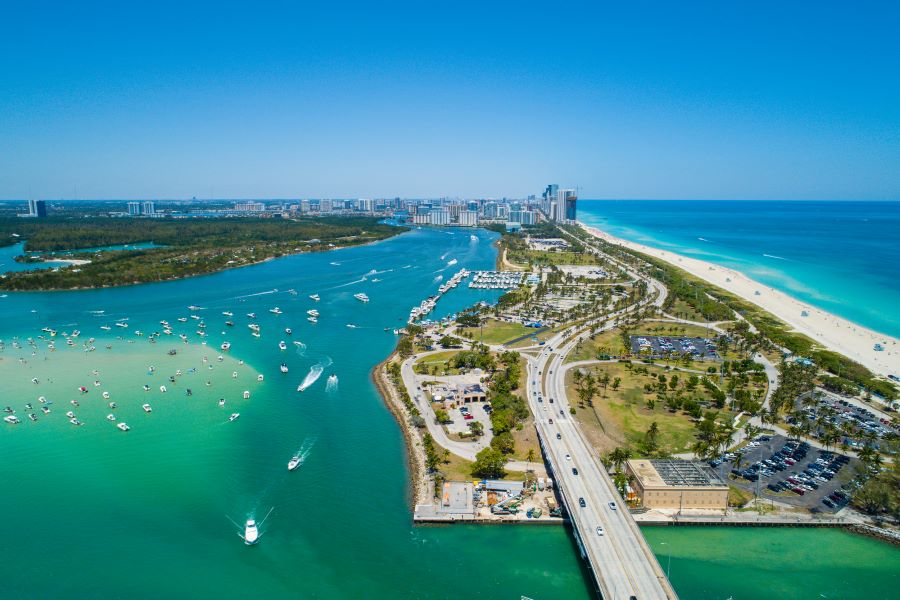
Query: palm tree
[[529, 458]]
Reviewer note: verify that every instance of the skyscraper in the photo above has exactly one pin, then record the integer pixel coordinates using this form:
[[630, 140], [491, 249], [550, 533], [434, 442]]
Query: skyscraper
[[567, 204], [37, 208], [149, 208], [134, 209]]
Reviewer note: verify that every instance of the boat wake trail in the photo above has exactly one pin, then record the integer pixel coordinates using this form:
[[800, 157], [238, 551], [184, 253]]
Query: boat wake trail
[[266, 293], [301, 348], [315, 372], [775, 257], [438, 278], [355, 281], [331, 386], [306, 448]]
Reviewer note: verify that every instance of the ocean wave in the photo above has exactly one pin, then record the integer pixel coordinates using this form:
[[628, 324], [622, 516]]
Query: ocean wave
[[775, 257]]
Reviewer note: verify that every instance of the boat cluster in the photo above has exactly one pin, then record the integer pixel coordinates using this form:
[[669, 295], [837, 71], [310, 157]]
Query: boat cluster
[[427, 305], [496, 280]]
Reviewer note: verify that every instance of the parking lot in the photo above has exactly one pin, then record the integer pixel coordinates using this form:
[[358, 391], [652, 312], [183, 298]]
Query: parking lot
[[791, 472], [469, 413], [661, 345], [846, 416]]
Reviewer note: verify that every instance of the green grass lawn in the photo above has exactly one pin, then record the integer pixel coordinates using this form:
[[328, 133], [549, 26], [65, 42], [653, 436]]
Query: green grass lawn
[[497, 332], [625, 417], [439, 360]]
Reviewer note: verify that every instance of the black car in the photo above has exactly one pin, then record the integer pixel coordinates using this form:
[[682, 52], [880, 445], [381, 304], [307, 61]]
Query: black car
[[558, 436], [582, 503], [574, 471]]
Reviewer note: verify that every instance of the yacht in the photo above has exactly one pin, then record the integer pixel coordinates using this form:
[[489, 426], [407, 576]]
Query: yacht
[[227, 313], [221, 401], [251, 315], [182, 319], [275, 311], [234, 416], [251, 533], [246, 394], [313, 312], [11, 419], [288, 330], [282, 345], [32, 416], [229, 323], [147, 408], [284, 368], [294, 463], [361, 297], [45, 410], [226, 345], [110, 417], [105, 327], [74, 421], [70, 414], [255, 334], [312, 319], [123, 426], [74, 402], [122, 325], [351, 326], [113, 405], [314, 297], [106, 395], [192, 307]]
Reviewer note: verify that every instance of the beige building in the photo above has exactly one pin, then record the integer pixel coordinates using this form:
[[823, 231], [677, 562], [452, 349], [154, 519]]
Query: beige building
[[678, 485]]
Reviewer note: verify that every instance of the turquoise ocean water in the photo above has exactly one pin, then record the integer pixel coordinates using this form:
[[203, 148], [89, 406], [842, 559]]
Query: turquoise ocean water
[[839, 256], [92, 512]]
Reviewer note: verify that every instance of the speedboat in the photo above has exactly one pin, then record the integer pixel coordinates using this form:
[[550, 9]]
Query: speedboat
[[229, 323], [251, 315], [226, 345], [113, 405], [246, 394], [45, 410], [275, 311], [227, 313], [123, 426], [361, 297], [192, 307], [182, 319], [294, 463], [251, 533], [74, 421], [110, 417], [74, 402], [312, 319], [312, 312], [106, 395], [105, 327], [234, 416], [284, 368], [162, 388], [70, 414], [11, 419], [32, 416], [314, 297], [282, 345], [147, 408], [146, 388], [288, 331]]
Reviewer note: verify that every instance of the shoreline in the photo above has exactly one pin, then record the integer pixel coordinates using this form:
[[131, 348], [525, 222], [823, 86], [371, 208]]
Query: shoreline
[[419, 485], [826, 329]]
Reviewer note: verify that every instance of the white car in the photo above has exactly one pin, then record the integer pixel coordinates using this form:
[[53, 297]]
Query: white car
[[599, 530], [568, 457]]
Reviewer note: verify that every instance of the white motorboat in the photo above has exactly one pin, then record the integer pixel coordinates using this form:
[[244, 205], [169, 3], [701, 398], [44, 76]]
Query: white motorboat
[[113, 405], [312, 319], [106, 395], [275, 311], [221, 401], [226, 345], [75, 421], [361, 297], [251, 533], [227, 313], [70, 414], [251, 315], [312, 312], [123, 426], [282, 345], [110, 417], [45, 410], [32, 416], [182, 319], [11, 419], [105, 327], [234, 416], [294, 463], [162, 388], [284, 368], [147, 408], [192, 307], [314, 297]]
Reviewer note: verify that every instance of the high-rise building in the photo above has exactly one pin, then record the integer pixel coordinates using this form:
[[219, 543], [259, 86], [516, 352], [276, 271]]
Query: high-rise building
[[37, 208], [568, 201], [134, 209], [439, 216], [249, 206], [364, 205], [468, 218], [324, 206], [148, 208]]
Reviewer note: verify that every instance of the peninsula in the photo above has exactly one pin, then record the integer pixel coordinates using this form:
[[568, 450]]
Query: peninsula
[[180, 247]]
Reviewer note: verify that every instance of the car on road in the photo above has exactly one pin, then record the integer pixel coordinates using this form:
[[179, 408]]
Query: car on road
[[599, 530], [582, 503], [568, 457], [612, 506], [558, 436], [561, 412], [550, 421], [574, 471]]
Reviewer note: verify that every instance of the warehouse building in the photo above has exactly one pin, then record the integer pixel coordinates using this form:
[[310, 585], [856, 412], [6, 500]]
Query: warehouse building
[[677, 484]]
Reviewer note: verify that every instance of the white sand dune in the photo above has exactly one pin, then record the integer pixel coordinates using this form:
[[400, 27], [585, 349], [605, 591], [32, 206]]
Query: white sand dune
[[830, 331]]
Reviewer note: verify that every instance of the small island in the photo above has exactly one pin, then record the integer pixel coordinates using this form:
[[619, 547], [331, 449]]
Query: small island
[[181, 247]]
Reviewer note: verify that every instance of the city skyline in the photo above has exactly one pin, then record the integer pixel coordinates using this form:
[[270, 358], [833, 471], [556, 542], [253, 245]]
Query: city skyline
[[357, 101]]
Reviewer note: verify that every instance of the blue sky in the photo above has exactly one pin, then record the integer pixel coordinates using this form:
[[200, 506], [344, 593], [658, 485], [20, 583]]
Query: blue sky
[[756, 100]]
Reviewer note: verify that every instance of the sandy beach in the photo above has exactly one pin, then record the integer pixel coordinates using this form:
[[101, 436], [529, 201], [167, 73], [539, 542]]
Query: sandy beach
[[831, 331]]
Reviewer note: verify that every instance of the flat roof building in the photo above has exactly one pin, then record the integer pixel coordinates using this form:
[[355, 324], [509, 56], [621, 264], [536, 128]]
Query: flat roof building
[[678, 484]]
